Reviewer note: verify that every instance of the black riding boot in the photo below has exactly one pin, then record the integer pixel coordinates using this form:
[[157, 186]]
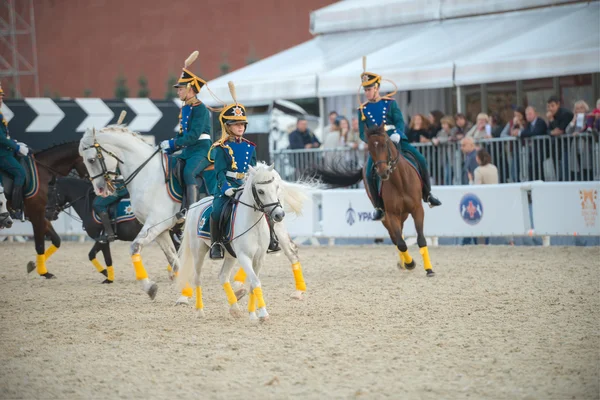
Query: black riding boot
[[274, 243], [379, 213], [191, 196], [108, 235], [427, 196], [17, 202], [216, 248]]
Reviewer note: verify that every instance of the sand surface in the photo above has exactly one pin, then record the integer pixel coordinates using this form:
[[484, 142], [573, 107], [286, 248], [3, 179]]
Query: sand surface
[[495, 323]]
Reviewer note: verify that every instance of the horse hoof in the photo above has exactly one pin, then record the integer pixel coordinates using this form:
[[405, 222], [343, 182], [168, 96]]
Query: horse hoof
[[152, 291], [240, 293], [298, 295], [200, 313], [30, 267], [430, 273], [253, 317], [48, 275], [107, 281], [104, 272], [235, 311], [264, 319], [410, 266], [182, 300]]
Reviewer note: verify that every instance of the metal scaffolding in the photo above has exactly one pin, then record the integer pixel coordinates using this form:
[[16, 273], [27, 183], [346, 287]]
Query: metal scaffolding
[[18, 50]]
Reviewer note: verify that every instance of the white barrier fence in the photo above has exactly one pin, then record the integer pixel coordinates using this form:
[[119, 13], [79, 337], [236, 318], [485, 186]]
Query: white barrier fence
[[557, 209]]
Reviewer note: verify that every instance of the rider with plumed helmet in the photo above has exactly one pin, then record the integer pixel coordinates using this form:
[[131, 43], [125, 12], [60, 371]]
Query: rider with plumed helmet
[[376, 111]]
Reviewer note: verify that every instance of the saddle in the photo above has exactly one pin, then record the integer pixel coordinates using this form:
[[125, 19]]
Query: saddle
[[30, 189]]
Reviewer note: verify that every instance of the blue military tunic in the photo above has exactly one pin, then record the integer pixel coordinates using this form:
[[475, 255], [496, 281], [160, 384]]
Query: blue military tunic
[[232, 159], [8, 161]]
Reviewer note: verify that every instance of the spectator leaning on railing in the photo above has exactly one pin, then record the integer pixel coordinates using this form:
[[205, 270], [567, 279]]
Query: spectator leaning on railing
[[435, 122], [581, 150], [496, 123], [516, 125], [447, 133], [558, 117], [331, 126], [418, 129], [535, 126], [482, 129], [302, 138], [462, 125]]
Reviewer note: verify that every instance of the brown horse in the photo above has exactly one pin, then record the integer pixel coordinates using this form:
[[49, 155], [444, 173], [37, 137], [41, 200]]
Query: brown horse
[[400, 189], [57, 160]]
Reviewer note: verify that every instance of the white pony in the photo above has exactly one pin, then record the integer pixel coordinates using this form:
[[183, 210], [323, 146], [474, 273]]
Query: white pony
[[140, 165], [5, 219], [261, 196]]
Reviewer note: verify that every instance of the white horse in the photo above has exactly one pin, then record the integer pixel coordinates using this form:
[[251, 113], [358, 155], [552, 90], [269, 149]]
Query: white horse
[[5, 219], [140, 165], [261, 196]]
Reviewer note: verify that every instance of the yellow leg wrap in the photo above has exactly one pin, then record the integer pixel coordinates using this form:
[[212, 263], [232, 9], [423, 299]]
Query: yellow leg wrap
[[231, 299], [406, 258], [425, 254], [170, 269], [259, 297], [298, 277], [187, 291], [40, 263], [199, 303], [50, 250], [98, 265], [240, 276], [140, 271], [110, 272], [251, 303]]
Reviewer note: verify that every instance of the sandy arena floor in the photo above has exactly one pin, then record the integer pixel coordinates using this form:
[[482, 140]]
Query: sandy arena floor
[[495, 323]]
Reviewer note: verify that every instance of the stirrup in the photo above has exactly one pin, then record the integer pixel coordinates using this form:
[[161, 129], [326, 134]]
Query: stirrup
[[433, 201], [378, 215], [181, 215], [219, 248], [274, 247]]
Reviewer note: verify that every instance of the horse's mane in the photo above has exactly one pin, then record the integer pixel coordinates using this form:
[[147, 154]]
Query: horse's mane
[[56, 146], [88, 137], [375, 130]]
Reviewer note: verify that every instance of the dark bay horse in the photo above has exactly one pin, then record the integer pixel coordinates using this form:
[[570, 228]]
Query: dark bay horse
[[57, 160], [400, 189]]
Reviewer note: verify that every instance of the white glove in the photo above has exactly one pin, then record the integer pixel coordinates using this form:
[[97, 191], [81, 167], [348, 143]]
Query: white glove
[[165, 145], [395, 137], [229, 192], [23, 149], [21, 144]]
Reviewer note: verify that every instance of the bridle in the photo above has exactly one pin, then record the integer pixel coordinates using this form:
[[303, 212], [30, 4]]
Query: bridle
[[258, 204], [390, 163], [56, 208]]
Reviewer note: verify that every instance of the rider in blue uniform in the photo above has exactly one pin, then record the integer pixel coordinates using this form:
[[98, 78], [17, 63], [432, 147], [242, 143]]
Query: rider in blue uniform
[[9, 150], [102, 204], [193, 139], [232, 155], [384, 110]]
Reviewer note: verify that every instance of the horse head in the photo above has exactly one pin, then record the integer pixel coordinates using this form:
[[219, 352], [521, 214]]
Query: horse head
[[100, 163], [380, 149], [266, 187]]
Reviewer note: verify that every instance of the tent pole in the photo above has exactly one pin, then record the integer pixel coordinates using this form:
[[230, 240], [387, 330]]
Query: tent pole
[[322, 117], [460, 100]]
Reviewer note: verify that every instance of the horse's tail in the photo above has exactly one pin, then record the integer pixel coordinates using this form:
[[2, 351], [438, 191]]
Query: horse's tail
[[186, 258], [336, 175], [295, 194]]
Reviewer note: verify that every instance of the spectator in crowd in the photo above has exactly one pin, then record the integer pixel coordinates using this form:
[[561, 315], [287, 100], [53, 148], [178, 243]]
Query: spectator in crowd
[[467, 146], [482, 128], [302, 138], [462, 125], [418, 130], [331, 126], [348, 137], [435, 122], [332, 138], [558, 117], [496, 123], [354, 135], [535, 126], [486, 173], [447, 135], [581, 150], [516, 125]]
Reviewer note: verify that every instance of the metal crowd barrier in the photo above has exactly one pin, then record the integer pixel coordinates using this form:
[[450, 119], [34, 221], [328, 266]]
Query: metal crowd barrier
[[564, 158]]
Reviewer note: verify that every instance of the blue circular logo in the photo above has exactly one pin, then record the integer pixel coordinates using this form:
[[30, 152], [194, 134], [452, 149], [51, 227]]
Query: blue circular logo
[[471, 209]]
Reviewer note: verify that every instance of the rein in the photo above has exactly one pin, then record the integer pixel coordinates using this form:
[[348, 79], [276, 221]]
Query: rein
[[58, 209]]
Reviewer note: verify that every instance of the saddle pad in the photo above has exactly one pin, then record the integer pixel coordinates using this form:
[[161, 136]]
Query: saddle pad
[[203, 225], [121, 212], [32, 181], [174, 186]]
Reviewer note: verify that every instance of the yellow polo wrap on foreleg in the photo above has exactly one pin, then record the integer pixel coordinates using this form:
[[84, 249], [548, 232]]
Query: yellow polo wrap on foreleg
[[40, 263], [199, 303], [406, 258], [251, 302], [140, 271], [110, 273], [98, 265], [240, 276], [231, 299], [259, 297], [425, 254], [298, 277], [187, 291], [50, 250]]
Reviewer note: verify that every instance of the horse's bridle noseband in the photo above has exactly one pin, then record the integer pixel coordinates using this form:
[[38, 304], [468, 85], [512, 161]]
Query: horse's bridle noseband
[[391, 163]]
